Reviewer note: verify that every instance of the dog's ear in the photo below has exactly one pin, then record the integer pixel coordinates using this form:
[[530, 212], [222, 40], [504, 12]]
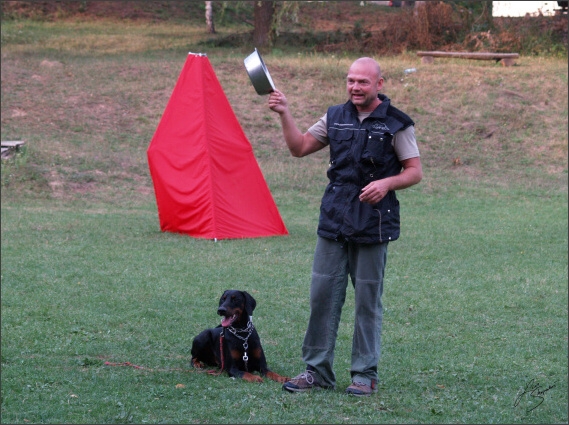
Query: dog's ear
[[250, 303]]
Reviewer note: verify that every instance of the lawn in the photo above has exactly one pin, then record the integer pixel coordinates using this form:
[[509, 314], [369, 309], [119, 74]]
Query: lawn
[[475, 327]]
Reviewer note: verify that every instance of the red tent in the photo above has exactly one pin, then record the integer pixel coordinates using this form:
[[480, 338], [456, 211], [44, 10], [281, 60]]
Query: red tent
[[206, 178]]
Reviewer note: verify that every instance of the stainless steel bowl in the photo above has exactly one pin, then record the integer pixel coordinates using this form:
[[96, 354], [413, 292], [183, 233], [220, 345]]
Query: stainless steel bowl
[[259, 74]]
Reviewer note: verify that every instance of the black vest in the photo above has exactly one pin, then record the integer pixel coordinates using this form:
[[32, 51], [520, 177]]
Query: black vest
[[359, 154]]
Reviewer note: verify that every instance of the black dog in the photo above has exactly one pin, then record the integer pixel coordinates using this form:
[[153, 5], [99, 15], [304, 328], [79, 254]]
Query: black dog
[[234, 346]]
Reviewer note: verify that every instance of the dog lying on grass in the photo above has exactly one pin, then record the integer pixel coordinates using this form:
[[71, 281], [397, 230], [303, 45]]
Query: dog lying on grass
[[234, 346]]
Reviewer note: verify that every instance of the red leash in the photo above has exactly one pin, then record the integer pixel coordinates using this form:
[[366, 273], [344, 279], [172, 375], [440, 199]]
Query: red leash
[[211, 372], [125, 364], [222, 358], [221, 336], [129, 364]]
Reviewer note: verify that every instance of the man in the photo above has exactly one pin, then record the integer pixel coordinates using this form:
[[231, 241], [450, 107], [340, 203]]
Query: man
[[373, 153]]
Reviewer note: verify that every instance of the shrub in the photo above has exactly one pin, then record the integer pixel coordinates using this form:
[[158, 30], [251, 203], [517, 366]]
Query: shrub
[[446, 26]]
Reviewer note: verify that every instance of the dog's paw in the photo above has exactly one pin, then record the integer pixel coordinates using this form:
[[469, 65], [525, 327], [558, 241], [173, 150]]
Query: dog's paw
[[249, 377], [276, 377], [197, 364]]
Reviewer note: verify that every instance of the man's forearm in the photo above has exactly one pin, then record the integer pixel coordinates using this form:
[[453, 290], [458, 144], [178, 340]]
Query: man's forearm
[[292, 135], [407, 178]]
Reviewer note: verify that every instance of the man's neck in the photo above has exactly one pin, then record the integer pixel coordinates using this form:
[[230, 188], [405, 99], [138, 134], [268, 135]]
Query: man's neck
[[369, 108]]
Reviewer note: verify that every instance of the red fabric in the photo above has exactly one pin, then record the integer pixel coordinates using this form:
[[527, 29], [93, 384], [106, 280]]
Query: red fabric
[[206, 179]]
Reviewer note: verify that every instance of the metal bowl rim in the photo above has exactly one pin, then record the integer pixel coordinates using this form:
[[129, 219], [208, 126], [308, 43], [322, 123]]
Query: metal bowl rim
[[258, 73]]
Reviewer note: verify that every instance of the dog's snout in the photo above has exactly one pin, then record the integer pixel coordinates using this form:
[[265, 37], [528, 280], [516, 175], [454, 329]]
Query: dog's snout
[[221, 311]]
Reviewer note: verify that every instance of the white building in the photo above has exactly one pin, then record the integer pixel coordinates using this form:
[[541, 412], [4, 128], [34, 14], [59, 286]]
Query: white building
[[521, 8]]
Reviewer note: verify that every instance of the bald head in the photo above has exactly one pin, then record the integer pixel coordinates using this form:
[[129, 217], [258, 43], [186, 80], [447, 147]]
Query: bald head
[[368, 65], [363, 84]]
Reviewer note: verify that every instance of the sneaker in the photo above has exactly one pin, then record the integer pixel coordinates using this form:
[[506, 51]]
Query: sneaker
[[360, 389], [304, 382]]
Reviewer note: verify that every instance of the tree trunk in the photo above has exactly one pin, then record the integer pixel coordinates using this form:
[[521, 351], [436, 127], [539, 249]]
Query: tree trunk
[[263, 32], [421, 31], [418, 6], [209, 17], [486, 19]]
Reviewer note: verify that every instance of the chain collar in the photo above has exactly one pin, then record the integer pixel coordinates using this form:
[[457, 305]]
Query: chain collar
[[249, 330]]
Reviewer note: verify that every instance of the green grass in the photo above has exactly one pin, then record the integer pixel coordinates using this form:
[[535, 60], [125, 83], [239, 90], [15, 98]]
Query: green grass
[[475, 291], [473, 313]]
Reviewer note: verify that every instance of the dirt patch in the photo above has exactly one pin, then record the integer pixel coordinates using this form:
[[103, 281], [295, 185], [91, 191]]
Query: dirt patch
[[87, 133]]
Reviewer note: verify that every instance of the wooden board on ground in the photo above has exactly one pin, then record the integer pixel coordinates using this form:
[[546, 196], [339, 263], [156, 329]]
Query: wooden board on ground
[[10, 147], [507, 59]]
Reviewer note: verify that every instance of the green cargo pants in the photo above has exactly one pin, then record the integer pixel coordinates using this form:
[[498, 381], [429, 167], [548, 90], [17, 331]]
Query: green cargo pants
[[333, 263]]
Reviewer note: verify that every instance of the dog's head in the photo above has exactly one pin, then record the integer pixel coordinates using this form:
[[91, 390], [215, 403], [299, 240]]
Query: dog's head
[[235, 307]]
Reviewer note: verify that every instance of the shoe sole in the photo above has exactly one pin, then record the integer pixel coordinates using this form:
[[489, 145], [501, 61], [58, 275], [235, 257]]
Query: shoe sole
[[357, 395], [360, 393], [301, 390]]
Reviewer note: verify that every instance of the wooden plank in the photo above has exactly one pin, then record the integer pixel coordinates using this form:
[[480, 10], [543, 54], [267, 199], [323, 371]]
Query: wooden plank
[[13, 144], [470, 55], [9, 147]]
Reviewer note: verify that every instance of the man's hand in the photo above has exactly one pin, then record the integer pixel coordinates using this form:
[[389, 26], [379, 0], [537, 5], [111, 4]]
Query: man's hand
[[412, 174], [299, 144], [278, 102], [374, 192]]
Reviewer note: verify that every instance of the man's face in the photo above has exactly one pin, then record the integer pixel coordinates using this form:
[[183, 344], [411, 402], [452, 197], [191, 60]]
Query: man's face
[[363, 84]]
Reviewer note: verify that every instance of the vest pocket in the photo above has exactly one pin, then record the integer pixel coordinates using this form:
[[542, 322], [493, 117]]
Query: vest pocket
[[376, 145], [332, 208], [341, 135]]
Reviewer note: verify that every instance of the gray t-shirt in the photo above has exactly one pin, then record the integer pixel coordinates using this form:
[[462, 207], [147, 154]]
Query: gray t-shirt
[[404, 142]]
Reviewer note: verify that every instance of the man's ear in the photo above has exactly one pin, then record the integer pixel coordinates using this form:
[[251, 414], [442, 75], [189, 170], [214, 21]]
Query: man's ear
[[380, 84]]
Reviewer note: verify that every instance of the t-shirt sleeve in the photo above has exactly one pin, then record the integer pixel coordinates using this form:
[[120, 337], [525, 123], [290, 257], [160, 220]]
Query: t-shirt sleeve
[[405, 144], [320, 130]]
